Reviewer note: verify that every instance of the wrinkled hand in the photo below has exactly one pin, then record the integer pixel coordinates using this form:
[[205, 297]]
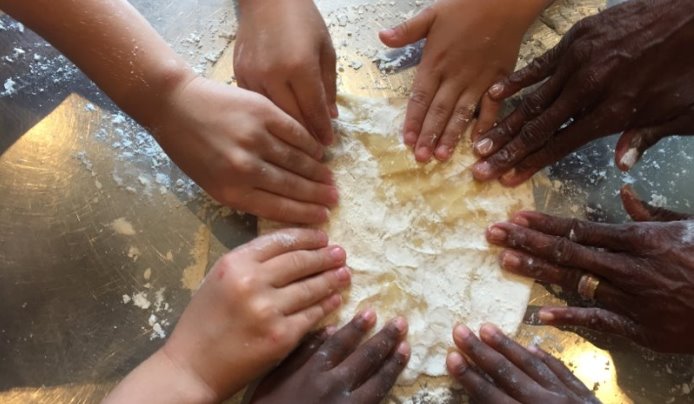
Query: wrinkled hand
[[470, 44], [255, 305], [336, 369], [646, 271], [246, 153], [519, 375], [629, 68], [283, 51]]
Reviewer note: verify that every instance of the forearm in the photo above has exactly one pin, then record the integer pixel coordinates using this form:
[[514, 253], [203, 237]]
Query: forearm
[[160, 380], [113, 44]]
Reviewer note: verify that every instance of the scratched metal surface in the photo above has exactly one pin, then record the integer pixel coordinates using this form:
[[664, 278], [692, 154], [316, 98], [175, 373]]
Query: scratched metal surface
[[70, 166]]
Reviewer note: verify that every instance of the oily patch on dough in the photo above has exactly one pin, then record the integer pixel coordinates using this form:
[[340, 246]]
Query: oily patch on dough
[[414, 235]]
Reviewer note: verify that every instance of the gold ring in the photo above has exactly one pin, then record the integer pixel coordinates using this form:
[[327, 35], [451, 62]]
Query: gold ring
[[587, 286]]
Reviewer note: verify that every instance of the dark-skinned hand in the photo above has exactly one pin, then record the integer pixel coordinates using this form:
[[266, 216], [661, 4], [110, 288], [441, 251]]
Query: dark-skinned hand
[[336, 369], [628, 69], [519, 375], [646, 270]]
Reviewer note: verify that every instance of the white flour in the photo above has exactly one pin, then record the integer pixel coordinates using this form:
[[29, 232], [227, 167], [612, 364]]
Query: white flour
[[414, 236]]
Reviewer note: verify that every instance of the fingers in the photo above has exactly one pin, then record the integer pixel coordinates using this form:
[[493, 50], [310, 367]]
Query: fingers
[[328, 62], [284, 98], [423, 91], [313, 103], [477, 387], [285, 183], [489, 111], [559, 250], [437, 116], [299, 295], [568, 278], [369, 357], [281, 209], [409, 31], [505, 374], [282, 126], [296, 161], [592, 318], [519, 356], [289, 267], [643, 212], [345, 340], [562, 372], [374, 390], [283, 241], [305, 320], [300, 356], [461, 116], [540, 68], [634, 142], [615, 237]]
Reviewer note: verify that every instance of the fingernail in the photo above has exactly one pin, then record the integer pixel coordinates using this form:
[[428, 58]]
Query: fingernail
[[403, 349], [367, 318], [484, 146], [545, 316], [390, 32], [338, 254], [335, 301], [400, 324], [520, 221], [456, 363], [534, 349], [343, 275], [496, 89], [423, 154], [489, 332], [462, 332], [333, 111], [334, 195], [629, 158], [496, 234], [483, 170], [510, 260], [325, 215], [443, 153], [410, 138], [330, 330]]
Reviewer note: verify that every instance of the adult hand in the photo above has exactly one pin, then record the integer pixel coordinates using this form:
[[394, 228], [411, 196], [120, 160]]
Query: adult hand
[[519, 375], [336, 369], [255, 305], [645, 271], [245, 152], [629, 68], [283, 51], [470, 44]]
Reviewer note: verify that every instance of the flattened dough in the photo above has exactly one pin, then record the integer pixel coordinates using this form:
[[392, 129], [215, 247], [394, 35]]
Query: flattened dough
[[414, 235]]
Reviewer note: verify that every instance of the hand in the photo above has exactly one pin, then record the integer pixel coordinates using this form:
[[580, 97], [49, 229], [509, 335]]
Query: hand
[[283, 51], [645, 271], [629, 68], [519, 375], [336, 369], [245, 152], [255, 305], [470, 44]]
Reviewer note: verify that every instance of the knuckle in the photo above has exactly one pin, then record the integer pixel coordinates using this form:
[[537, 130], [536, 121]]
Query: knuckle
[[419, 98], [241, 162], [243, 286], [563, 251]]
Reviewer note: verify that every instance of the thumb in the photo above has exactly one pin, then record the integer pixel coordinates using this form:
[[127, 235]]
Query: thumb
[[409, 31], [641, 211], [634, 142]]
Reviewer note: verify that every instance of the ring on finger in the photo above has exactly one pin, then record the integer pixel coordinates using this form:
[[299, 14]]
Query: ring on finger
[[587, 286]]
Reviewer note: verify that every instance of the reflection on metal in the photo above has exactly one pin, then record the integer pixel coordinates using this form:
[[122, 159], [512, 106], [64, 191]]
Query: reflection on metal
[[80, 299]]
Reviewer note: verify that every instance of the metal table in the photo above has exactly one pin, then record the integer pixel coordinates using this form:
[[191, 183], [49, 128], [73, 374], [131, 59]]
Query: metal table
[[102, 238]]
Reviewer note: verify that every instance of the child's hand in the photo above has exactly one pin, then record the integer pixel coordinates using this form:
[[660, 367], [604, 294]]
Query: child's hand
[[255, 305], [245, 152], [470, 44], [336, 369], [283, 51]]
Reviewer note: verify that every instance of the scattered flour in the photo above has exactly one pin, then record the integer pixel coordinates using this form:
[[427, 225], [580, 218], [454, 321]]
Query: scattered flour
[[629, 158], [123, 227], [688, 232]]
